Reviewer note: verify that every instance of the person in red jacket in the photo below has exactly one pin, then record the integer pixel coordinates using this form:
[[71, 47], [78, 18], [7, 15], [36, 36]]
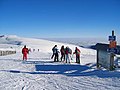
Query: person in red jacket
[[77, 52], [25, 52]]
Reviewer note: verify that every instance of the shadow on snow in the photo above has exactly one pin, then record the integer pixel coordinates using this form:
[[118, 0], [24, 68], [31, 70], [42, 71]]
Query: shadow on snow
[[67, 69], [37, 62]]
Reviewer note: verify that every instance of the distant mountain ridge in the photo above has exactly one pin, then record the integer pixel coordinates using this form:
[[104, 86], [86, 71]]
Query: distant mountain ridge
[[10, 39], [41, 44]]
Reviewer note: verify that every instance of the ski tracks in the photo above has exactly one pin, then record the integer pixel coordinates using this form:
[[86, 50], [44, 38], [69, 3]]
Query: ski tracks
[[22, 78]]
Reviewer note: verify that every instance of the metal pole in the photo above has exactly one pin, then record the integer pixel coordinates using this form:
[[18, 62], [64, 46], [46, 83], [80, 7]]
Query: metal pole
[[112, 32]]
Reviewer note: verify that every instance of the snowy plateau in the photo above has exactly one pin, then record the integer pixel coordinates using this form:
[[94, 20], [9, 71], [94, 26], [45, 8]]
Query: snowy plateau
[[39, 72]]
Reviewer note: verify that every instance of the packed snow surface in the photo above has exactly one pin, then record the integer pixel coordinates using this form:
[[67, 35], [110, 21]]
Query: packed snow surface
[[39, 72]]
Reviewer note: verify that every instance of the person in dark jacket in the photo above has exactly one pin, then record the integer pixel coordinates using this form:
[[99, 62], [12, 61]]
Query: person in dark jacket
[[53, 49], [77, 52], [56, 58], [55, 53], [62, 50], [25, 52]]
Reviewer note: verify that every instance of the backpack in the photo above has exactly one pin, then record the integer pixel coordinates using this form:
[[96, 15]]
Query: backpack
[[70, 51]]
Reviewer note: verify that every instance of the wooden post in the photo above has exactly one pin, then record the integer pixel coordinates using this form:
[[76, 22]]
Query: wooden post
[[112, 61]]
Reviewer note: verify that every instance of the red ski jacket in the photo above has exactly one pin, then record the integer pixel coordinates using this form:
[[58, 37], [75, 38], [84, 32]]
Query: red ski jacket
[[24, 50]]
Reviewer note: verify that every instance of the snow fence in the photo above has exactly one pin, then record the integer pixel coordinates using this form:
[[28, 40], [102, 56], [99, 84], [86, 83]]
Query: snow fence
[[7, 52]]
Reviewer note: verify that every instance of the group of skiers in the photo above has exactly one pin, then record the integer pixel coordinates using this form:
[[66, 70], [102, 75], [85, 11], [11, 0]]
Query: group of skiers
[[65, 54]]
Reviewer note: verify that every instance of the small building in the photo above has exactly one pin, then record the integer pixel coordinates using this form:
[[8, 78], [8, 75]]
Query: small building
[[105, 58]]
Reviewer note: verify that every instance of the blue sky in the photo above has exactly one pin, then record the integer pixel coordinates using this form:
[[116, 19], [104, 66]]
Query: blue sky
[[59, 18]]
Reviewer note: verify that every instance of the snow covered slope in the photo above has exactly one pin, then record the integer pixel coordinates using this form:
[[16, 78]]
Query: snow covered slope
[[39, 72]]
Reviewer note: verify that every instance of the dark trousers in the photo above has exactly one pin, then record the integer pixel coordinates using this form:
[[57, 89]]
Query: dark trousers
[[56, 57], [63, 57], [53, 55], [78, 59]]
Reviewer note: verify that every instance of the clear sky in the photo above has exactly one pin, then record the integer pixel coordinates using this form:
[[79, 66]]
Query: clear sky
[[59, 18]]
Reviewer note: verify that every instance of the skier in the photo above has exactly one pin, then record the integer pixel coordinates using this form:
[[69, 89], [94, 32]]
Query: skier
[[77, 52], [55, 53], [67, 54], [25, 52], [53, 49], [62, 50]]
